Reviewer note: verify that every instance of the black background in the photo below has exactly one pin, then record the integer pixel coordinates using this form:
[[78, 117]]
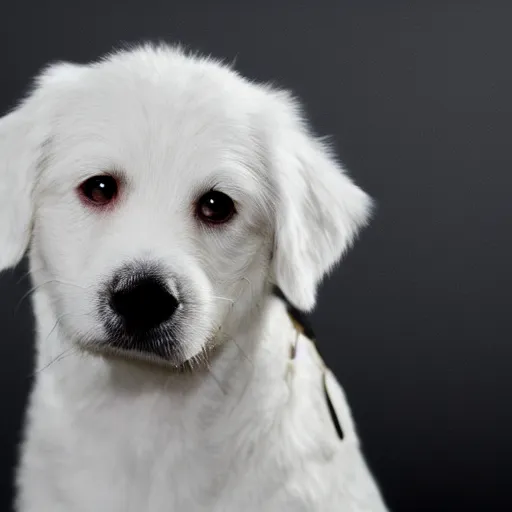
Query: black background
[[416, 322]]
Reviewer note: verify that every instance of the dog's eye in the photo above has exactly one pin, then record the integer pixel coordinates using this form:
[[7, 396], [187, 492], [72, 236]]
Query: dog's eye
[[99, 190], [215, 207]]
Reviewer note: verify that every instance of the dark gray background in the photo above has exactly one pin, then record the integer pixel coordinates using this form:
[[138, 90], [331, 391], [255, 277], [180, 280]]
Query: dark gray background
[[416, 321]]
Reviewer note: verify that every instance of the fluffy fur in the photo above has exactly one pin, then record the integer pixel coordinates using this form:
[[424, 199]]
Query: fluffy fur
[[240, 431]]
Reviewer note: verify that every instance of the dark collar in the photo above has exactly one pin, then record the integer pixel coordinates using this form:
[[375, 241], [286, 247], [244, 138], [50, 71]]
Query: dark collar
[[300, 319]]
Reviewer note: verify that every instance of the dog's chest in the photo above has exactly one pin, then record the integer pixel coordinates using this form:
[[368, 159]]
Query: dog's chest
[[124, 456], [119, 476], [84, 470], [274, 448]]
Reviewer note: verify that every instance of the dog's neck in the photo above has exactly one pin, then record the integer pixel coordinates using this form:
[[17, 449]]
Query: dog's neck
[[250, 364]]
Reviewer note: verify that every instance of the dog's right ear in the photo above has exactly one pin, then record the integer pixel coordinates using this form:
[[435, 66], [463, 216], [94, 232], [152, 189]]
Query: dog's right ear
[[24, 133]]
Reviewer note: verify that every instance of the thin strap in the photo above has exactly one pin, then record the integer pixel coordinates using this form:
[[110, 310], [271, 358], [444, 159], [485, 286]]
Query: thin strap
[[303, 326]]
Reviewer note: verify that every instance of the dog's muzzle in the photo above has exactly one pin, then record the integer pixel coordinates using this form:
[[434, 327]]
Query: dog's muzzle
[[138, 310]]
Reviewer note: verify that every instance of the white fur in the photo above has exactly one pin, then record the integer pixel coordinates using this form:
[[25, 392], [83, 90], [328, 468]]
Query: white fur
[[117, 435]]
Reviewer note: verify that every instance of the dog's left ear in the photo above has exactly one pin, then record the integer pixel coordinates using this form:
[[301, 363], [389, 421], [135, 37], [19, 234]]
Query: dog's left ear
[[319, 208]]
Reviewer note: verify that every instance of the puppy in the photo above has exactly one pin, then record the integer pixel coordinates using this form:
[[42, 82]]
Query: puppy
[[162, 198]]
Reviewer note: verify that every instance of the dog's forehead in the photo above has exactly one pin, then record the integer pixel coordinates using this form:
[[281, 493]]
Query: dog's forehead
[[185, 101], [180, 117]]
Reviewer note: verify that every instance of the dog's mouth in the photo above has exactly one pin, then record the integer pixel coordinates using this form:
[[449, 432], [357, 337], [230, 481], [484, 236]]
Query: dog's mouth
[[145, 359], [157, 349], [160, 343]]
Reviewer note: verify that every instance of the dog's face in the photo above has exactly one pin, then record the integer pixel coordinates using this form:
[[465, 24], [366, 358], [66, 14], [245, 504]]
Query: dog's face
[[160, 195]]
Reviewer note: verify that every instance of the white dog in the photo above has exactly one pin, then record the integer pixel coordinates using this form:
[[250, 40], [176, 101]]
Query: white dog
[[162, 196]]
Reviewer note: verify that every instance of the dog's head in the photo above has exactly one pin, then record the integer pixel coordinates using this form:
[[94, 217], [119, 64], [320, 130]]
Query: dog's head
[[161, 194]]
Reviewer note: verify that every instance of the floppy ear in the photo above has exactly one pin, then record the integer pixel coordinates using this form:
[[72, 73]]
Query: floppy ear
[[23, 134], [20, 145], [319, 208]]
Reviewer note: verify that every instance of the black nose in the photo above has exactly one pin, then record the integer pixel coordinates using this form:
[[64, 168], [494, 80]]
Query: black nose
[[144, 304]]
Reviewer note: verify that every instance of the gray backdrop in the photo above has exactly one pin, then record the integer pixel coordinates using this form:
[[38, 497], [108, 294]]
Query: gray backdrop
[[417, 96]]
